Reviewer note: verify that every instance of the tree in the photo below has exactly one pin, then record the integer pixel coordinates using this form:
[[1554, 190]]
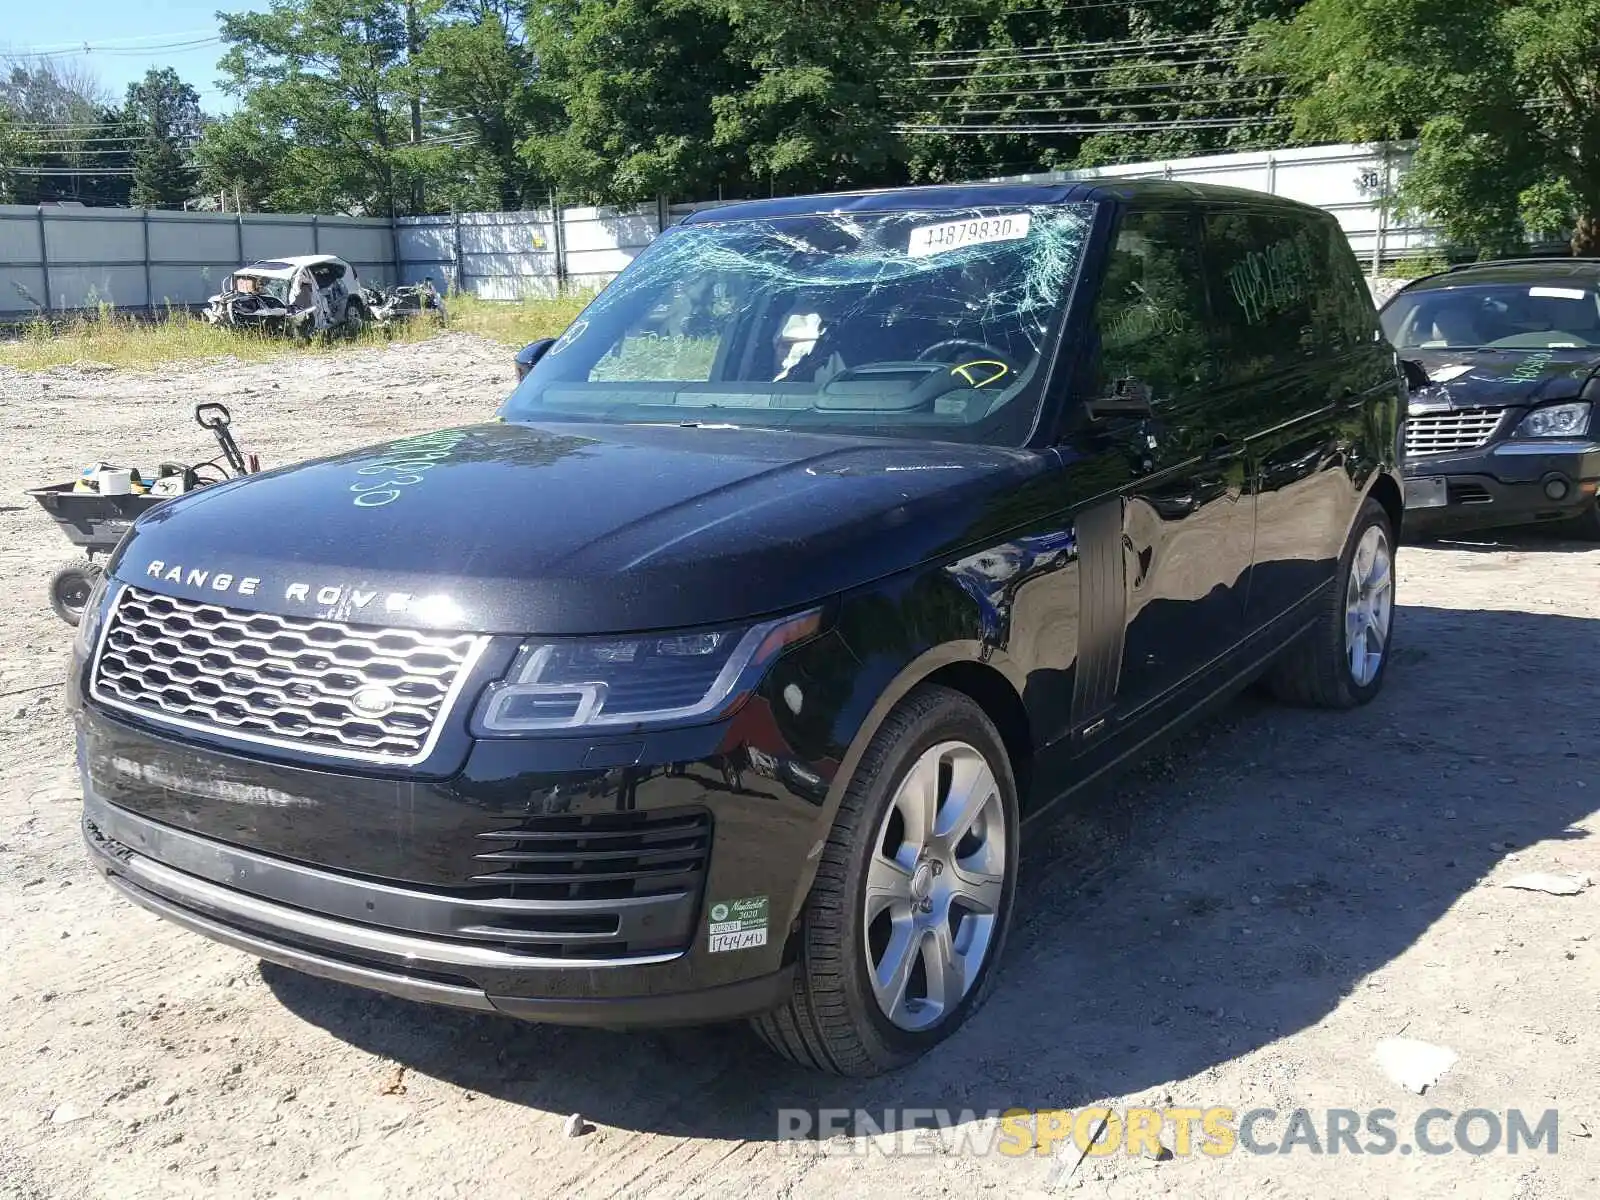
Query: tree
[[163, 112], [826, 86], [1006, 86], [633, 81], [475, 69], [326, 84], [1502, 97], [19, 149], [68, 141]]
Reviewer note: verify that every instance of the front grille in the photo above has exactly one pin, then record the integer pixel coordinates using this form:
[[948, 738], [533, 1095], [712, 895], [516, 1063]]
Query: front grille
[[1444, 432], [350, 691]]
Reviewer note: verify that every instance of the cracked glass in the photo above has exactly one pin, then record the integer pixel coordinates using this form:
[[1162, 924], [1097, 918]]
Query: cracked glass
[[927, 324]]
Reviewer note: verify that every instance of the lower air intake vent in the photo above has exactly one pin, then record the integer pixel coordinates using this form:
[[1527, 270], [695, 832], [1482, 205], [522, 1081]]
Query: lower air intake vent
[[608, 856]]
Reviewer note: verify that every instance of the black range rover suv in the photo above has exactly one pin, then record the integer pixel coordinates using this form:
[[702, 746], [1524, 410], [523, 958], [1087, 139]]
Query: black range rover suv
[[1503, 431], [724, 674]]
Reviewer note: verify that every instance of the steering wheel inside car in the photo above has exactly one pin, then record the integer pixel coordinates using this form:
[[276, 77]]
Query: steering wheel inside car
[[990, 367]]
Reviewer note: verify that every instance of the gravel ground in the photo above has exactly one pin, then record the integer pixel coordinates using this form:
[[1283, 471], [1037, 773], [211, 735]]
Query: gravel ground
[[1238, 923]]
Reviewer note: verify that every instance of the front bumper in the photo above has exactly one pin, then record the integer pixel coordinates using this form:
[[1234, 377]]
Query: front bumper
[[1507, 483], [382, 883], [428, 969]]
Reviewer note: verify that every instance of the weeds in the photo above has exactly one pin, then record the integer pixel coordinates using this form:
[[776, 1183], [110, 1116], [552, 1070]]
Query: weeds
[[118, 340]]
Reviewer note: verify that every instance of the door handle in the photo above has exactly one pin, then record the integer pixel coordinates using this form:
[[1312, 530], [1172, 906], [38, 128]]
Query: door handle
[[1223, 447]]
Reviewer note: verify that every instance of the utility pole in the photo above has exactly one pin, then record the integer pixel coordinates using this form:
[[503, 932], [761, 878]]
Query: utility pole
[[413, 44]]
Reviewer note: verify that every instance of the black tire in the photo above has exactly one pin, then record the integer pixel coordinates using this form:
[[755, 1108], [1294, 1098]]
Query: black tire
[[70, 588], [833, 1022], [355, 319], [1314, 671]]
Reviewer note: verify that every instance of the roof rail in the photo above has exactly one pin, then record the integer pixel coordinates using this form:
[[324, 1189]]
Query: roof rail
[[1500, 262]]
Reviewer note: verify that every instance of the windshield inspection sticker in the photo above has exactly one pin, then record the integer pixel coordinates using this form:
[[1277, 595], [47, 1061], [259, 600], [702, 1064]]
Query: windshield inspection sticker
[[738, 924], [952, 235]]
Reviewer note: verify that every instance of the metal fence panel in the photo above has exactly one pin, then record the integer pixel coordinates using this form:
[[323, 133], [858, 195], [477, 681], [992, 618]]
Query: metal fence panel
[[66, 258], [126, 257]]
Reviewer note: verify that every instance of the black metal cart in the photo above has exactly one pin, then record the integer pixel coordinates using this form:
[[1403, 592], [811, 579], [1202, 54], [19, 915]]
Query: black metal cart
[[97, 522]]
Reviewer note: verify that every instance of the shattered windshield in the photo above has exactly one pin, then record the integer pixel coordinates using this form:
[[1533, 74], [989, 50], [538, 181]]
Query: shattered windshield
[[262, 285], [933, 324], [1498, 316]]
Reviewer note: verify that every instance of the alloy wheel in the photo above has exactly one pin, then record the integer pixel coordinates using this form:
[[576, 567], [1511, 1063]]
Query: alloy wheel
[[1368, 607], [934, 886]]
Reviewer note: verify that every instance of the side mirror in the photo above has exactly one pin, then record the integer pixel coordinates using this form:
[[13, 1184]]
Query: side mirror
[[530, 354], [1416, 374]]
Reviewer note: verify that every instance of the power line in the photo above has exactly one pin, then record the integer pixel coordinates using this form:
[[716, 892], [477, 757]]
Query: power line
[[87, 48], [937, 58], [1157, 85], [1167, 104], [1092, 126], [51, 127], [1045, 70], [1065, 10], [61, 47]]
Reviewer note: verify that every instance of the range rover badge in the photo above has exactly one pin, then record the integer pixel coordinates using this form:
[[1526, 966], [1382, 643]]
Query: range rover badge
[[374, 700]]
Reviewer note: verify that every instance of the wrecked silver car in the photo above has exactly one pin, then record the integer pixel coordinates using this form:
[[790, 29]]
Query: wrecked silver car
[[301, 296]]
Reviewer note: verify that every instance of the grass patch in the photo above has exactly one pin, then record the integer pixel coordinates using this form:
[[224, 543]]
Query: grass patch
[[515, 323], [118, 340]]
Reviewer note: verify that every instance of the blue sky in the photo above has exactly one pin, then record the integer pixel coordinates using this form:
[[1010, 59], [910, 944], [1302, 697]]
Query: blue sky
[[117, 32]]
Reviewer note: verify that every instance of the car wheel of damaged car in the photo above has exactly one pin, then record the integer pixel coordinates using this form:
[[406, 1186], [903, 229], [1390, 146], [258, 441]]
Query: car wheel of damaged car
[[355, 319], [909, 910], [1341, 660]]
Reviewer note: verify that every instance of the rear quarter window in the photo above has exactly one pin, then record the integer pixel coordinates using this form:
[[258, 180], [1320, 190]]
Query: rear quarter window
[[1285, 289]]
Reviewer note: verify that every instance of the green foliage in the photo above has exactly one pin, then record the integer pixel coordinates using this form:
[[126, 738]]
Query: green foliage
[[164, 113], [70, 150], [620, 101], [325, 86], [825, 86], [633, 82], [474, 69], [1501, 96], [17, 148]]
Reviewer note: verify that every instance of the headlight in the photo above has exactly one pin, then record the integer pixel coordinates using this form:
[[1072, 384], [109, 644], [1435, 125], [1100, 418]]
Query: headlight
[[1555, 420], [661, 679], [88, 631]]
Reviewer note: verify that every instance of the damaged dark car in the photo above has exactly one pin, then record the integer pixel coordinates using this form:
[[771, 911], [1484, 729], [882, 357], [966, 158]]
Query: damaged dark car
[[727, 674], [1502, 428]]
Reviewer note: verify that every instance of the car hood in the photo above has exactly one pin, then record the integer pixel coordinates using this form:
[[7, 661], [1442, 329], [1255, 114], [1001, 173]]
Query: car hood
[[573, 528], [1490, 379]]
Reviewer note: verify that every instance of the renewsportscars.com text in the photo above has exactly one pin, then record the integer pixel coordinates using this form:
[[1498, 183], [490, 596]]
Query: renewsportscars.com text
[[1214, 1131]]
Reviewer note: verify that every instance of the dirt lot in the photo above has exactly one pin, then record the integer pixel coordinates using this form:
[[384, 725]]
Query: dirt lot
[[1238, 924]]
